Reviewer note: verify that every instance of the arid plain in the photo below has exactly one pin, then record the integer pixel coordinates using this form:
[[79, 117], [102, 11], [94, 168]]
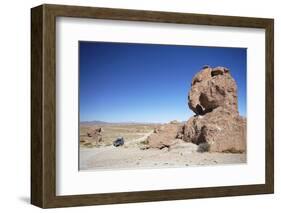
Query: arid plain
[[135, 153]]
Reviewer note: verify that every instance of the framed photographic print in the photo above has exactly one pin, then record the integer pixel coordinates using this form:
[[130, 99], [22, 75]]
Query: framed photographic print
[[136, 106]]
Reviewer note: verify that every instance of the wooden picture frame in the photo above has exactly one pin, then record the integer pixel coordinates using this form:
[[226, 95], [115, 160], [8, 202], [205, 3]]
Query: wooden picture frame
[[43, 105]]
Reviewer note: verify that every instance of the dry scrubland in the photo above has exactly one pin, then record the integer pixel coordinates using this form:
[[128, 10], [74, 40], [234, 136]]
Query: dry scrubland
[[132, 134]]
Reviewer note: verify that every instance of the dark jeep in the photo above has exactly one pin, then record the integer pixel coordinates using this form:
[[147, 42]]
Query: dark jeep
[[119, 142]]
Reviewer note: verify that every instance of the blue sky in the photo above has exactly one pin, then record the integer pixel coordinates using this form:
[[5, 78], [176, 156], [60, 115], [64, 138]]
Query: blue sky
[[123, 82]]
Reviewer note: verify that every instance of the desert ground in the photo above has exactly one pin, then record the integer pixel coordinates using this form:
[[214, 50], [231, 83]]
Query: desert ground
[[100, 154]]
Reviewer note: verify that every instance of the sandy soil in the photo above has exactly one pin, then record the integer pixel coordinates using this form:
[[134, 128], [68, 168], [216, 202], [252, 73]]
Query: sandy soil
[[132, 157], [132, 133]]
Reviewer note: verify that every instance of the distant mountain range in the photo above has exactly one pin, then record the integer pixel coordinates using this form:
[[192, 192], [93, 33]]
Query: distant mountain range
[[112, 123], [94, 122]]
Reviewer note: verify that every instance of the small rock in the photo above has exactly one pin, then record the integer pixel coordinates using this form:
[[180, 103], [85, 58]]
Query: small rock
[[174, 122], [165, 149]]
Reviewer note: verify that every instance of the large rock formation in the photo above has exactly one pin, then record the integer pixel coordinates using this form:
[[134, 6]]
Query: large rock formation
[[213, 99], [164, 136], [212, 88]]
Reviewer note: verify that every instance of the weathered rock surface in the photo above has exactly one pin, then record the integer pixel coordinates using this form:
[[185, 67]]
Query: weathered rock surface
[[95, 135], [213, 98], [164, 136], [212, 88], [220, 129]]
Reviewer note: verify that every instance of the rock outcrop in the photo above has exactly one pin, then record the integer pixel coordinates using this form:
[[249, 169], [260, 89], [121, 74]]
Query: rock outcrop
[[212, 88], [164, 136], [217, 124], [95, 135]]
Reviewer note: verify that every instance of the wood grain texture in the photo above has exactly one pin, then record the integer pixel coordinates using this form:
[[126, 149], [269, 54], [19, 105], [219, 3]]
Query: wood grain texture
[[36, 106], [269, 106], [43, 105]]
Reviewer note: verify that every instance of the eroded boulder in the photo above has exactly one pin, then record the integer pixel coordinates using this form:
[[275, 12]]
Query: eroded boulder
[[223, 131], [164, 136], [95, 135], [212, 88], [213, 99]]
